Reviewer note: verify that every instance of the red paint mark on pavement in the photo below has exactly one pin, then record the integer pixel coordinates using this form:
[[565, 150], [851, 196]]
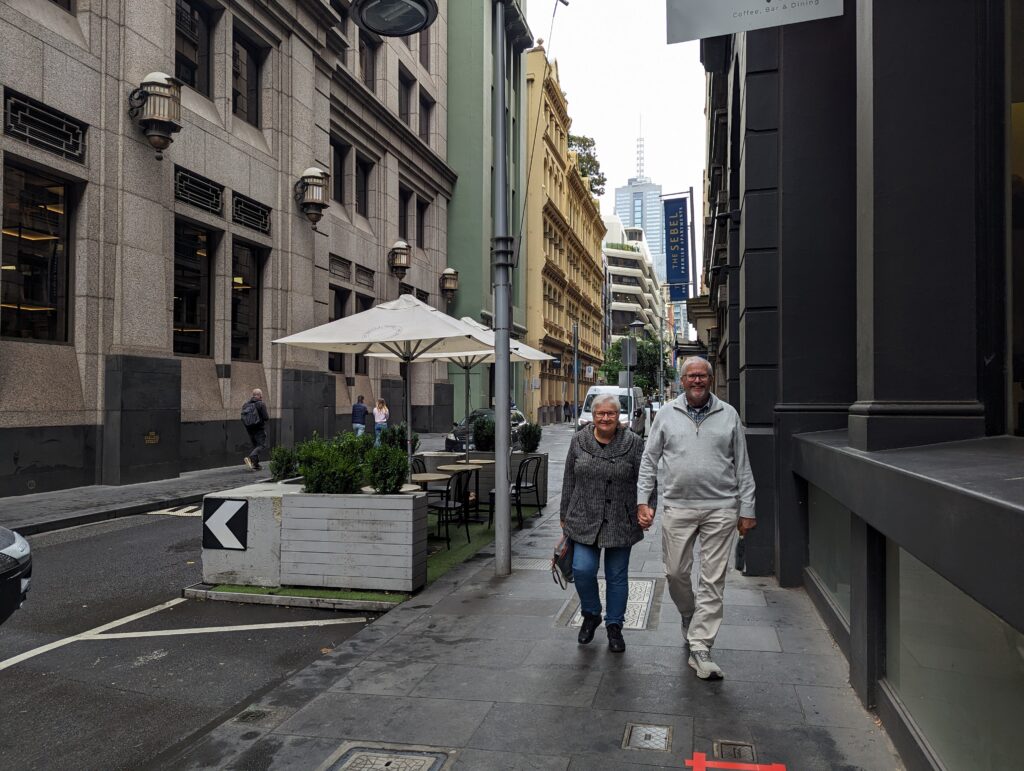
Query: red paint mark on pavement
[[700, 762]]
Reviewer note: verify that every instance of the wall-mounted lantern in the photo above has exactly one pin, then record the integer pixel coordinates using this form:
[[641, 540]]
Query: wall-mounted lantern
[[449, 283], [394, 18], [398, 258], [311, 193], [156, 106]]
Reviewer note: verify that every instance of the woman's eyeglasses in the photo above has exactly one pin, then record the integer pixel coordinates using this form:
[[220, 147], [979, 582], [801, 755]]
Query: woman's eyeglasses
[[606, 415]]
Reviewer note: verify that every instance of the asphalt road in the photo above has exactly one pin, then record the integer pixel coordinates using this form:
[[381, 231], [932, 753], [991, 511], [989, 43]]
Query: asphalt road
[[130, 700]]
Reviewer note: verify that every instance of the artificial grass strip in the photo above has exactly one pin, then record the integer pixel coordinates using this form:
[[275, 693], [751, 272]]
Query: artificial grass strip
[[323, 594]]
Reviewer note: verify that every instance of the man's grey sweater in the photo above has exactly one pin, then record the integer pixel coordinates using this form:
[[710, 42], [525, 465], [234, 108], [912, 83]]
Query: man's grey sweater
[[702, 466]]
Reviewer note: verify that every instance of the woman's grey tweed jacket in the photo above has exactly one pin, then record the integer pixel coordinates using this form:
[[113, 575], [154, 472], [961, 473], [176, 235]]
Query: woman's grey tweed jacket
[[599, 489]]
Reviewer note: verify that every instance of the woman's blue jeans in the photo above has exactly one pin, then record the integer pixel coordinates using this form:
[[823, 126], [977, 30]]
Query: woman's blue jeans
[[377, 428], [616, 574]]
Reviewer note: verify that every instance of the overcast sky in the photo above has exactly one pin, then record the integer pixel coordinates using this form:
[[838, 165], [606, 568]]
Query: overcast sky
[[616, 68]]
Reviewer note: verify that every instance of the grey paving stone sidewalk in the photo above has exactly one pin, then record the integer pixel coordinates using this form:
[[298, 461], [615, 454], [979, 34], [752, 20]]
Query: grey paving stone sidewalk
[[484, 672]]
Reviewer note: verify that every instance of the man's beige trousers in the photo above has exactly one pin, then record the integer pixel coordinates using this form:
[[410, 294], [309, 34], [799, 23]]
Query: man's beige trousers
[[679, 530]]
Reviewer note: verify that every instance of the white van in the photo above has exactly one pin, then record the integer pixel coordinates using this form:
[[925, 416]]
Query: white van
[[631, 407]]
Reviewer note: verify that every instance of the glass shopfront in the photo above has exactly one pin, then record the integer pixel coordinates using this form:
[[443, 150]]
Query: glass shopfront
[[957, 668], [828, 523]]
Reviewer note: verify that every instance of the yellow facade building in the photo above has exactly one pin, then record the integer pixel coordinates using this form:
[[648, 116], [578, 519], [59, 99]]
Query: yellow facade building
[[564, 270]]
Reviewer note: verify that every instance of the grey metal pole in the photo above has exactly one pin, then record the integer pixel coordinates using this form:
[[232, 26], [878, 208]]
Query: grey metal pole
[[502, 306], [693, 253], [575, 369], [661, 360], [408, 412]]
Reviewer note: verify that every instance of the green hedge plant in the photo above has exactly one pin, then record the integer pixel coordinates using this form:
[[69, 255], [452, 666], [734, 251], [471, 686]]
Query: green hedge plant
[[394, 436], [483, 435], [387, 469], [333, 466], [529, 436], [284, 463]]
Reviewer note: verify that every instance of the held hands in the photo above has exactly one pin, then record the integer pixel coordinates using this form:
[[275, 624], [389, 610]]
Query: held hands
[[745, 525], [644, 515]]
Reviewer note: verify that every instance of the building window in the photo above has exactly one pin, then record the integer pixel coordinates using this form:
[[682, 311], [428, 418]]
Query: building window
[[245, 80], [404, 201], [339, 302], [364, 170], [828, 526], [952, 662], [339, 158], [426, 113], [65, 4], [425, 48], [192, 46], [406, 85], [368, 60], [34, 274], [192, 248], [362, 363], [422, 207], [245, 302]]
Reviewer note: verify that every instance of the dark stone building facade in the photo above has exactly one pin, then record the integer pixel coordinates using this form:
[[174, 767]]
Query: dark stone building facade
[[862, 305]]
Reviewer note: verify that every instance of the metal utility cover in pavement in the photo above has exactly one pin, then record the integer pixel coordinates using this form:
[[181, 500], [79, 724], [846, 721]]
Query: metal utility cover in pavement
[[729, 750], [527, 563], [225, 523], [380, 759], [638, 604], [647, 737]]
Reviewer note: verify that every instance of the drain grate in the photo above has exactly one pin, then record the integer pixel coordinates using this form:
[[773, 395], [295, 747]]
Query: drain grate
[[526, 563], [639, 736], [378, 759], [638, 604], [730, 750]]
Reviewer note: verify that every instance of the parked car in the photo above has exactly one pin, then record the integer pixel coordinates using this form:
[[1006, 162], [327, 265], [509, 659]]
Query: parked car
[[631, 407], [462, 432], [15, 572]]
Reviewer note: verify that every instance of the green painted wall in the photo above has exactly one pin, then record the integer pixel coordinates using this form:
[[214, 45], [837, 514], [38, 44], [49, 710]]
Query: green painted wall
[[470, 79]]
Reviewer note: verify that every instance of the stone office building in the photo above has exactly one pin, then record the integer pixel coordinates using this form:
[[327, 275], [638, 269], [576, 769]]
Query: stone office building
[[864, 309], [140, 296]]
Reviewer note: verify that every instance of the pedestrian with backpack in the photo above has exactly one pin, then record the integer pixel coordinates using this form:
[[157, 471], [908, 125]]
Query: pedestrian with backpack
[[255, 418]]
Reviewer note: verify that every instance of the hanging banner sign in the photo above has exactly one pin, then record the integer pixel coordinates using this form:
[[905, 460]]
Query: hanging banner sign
[[677, 248], [696, 19]]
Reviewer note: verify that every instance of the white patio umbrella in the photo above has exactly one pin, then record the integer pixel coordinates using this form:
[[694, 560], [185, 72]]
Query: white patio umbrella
[[405, 329]]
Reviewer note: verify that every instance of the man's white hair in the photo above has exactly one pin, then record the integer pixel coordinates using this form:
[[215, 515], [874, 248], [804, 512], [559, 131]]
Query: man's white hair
[[601, 399], [698, 360]]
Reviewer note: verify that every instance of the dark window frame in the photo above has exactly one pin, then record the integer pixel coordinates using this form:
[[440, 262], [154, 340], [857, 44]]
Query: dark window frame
[[424, 48], [64, 300], [406, 89], [367, 51], [339, 159], [246, 56], [254, 287], [404, 202], [422, 207], [194, 73], [67, 5], [426, 116], [364, 180], [340, 295], [362, 363], [204, 313]]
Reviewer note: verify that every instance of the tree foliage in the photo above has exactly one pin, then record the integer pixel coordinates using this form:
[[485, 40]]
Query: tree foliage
[[645, 374], [587, 162]]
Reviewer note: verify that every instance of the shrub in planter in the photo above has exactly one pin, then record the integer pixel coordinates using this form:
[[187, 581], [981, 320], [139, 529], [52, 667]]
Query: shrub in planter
[[284, 463], [483, 435], [394, 436], [333, 466], [387, 469], [529, 437]]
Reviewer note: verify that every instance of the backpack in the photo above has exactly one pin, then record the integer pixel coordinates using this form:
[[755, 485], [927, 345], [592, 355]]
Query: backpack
[[251, 414]]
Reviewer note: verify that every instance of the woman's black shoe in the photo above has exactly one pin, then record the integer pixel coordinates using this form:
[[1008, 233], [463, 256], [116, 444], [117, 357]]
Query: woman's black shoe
[[615, 642], [590, 624]]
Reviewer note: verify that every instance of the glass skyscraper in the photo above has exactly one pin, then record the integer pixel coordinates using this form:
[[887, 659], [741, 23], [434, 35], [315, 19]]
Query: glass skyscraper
[[638, 204]]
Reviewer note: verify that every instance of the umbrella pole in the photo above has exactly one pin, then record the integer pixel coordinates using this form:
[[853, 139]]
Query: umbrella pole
[[465, 443], [408, 412]]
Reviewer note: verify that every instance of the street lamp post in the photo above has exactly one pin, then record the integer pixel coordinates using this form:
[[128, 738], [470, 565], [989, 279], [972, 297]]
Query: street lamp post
[[575, 369], [634, 329], [661, 361]]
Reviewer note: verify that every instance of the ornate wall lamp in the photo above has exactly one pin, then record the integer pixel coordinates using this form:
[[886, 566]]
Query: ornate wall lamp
[[156, 106], [394, 18], [449, 283], [399, 258], [311, 193]]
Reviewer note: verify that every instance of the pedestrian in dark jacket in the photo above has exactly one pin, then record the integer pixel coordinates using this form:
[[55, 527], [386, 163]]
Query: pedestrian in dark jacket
[[255, 418], [599, 511]]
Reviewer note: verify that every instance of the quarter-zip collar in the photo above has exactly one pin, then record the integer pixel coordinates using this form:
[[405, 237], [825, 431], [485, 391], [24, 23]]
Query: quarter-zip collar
[[714, 405]]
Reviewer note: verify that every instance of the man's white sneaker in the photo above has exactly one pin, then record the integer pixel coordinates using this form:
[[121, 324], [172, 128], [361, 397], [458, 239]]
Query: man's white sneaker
[[248, 462], [705, 668]]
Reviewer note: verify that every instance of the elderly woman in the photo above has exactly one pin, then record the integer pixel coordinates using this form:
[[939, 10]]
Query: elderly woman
[[599, 511]]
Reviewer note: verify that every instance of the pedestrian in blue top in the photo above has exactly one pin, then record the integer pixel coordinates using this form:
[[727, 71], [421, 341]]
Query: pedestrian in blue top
[[359, 411]]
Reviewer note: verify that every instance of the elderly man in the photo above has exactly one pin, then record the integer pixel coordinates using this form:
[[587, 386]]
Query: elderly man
[[698, 448]]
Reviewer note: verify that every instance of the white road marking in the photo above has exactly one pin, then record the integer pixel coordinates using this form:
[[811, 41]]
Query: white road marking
[[218, 524], [92, 632], [216, 629]]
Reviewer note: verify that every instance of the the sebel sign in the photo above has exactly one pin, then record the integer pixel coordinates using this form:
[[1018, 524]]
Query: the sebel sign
[[696, 19]]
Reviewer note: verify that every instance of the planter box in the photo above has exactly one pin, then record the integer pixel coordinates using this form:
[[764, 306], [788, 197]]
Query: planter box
[[374, 542]]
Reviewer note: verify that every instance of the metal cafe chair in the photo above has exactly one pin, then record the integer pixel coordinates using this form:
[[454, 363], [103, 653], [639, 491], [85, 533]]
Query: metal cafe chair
[[453, 506], [525, 486]]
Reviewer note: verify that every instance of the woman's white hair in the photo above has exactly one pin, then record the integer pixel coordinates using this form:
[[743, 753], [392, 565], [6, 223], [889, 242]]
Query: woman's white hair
[[697, 360], [601, 399]]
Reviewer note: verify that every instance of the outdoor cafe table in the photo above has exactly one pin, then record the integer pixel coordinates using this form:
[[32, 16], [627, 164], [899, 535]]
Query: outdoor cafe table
[[425, 477], [473, 469], [476, 462]]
